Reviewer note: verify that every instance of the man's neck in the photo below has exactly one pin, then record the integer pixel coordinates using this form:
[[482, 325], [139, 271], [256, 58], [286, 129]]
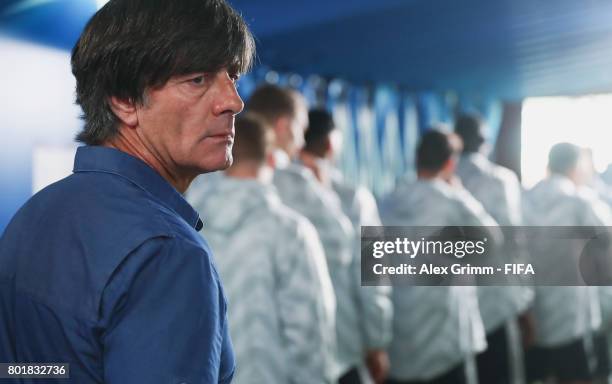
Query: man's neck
[[312, 162], [130, 144], [427, 175]]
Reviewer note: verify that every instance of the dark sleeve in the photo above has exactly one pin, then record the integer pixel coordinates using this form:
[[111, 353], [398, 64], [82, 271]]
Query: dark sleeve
[[227, 357], [163, 318]]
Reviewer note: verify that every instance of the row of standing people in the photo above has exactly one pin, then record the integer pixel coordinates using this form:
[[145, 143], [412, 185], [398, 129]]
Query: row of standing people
[[288, 251]]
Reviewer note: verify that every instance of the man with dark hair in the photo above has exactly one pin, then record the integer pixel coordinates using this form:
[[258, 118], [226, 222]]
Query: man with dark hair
[[470, 127], [317, 139], [286, 114], [437, 155], [323, 142], [105, 270], [375, 309], [499, 191], [439, 351], [569, 344], [496, 187], [273, 267]]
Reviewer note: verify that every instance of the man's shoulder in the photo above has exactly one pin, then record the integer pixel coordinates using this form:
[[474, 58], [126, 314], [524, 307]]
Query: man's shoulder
[[487, 169], [78, 231], [467, 210], [293, 174], [344, 189], [99, 199], [297, 187], [275, 216], [503, 176]]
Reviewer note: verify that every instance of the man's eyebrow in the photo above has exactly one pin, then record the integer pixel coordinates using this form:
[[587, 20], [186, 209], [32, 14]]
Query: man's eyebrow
[[185, 76]]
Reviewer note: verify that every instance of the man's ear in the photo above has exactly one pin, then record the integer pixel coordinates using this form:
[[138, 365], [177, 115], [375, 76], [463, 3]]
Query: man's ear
[[270, 160], [125, 110], [282, 131], [449, 166], [329, 146]]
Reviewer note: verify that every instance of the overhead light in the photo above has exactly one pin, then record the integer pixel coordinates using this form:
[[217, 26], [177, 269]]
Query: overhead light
[[24, 6]]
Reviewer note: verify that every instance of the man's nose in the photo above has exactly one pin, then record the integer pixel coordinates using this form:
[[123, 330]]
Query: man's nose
[[228, 99]]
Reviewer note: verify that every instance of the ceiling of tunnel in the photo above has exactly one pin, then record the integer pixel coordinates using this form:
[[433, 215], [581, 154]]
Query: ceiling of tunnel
[[505, 48]]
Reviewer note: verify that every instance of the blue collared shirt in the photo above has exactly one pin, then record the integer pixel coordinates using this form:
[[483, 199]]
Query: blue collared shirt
[[104, 270]]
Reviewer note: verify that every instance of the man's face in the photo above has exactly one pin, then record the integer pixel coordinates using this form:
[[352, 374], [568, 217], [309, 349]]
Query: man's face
[[188, 124]]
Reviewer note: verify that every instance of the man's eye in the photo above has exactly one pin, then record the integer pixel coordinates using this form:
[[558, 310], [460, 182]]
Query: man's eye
[[198, 80]]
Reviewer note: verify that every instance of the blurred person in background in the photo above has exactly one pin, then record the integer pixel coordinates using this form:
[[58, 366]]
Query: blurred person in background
[[322, 143], [437, 330], [286, 113], [570, 347], [597, 185], [499, 191], [281, 301], [104, 270]]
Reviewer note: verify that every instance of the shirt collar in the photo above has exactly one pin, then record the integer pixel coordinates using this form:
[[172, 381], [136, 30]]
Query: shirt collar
[[110, 160]]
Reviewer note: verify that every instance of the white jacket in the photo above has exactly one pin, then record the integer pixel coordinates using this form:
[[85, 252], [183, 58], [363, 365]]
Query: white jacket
[[281, 302], [375, 306], [299, 189], [435, 328], [499, 191], [563, 314]]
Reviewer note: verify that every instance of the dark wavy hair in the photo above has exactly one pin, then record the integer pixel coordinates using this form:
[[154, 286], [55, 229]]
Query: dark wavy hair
[[129, 46], [436, 147], [320, 126], [470, 128]]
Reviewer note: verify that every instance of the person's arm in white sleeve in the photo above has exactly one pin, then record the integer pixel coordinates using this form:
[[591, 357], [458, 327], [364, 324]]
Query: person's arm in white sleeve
[[375, 305], [472, 213], [306, 306]]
